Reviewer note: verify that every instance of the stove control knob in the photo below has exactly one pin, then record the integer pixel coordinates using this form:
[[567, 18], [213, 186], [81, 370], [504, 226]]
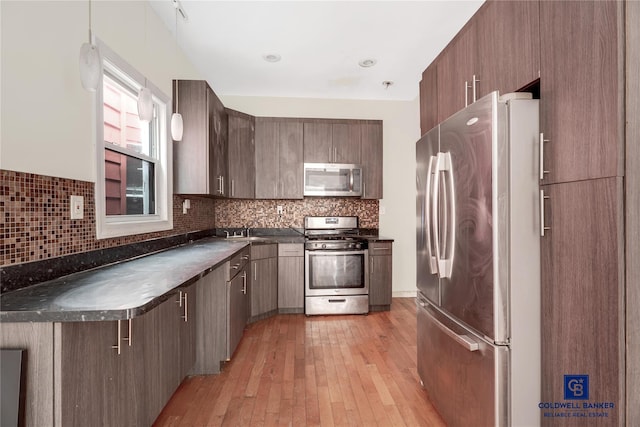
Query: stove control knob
[[324, 246]]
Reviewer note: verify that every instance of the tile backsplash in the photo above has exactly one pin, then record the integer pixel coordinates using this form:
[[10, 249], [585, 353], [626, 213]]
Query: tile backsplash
[[264, 213], [35, 222]]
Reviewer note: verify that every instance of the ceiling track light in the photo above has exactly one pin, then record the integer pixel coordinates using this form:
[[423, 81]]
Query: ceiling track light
[[179, 9], [90, 62]]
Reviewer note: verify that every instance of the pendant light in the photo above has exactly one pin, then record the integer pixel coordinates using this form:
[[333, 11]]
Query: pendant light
[[90, 62], [176, 118], [145, 100]]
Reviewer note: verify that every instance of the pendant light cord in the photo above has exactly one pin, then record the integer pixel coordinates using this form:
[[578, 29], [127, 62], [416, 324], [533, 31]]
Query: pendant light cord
[[90, 21], [177, 50]]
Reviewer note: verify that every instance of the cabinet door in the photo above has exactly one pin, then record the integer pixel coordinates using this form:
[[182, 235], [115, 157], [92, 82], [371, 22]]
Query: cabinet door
[[455, 73], [237, 310], [582, 293], [264, 286], [318, 142], [291, 164], [188, 331], [508, 56], [580, 87], [218, 134], [211, 321], [267, 158], [242, 177], [380, 274], [291, 284], [429, 98], [346, 143], [191, 155], [371, 158]]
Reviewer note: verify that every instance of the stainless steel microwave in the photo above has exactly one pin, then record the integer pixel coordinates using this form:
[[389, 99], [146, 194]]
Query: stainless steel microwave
[[332, 179]]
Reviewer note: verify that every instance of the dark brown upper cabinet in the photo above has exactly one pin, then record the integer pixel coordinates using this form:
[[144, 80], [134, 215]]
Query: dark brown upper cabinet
[[581, 87], [200, 159], [508, 46], [371, 159], [331, 141], [429, 98], [241, 155], [456, 73], [278, 154]]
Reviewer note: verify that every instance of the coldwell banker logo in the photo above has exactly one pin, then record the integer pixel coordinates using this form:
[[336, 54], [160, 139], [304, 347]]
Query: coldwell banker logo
[[576, 403], [576, 387]]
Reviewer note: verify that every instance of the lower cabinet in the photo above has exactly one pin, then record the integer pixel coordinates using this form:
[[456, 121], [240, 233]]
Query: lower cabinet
[[211, 321], [237, 309], [122, 373], [291, 278], [380, 275], [264, 281]]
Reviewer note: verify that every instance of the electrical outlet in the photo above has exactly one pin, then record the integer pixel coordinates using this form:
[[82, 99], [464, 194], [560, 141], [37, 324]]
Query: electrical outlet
[[77, 207], [279, 209]]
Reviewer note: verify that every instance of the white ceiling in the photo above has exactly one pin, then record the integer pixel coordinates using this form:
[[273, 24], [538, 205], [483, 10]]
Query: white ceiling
[[320, 42]]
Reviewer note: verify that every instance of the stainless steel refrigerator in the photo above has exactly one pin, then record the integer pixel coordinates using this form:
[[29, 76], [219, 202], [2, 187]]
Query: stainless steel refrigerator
[[478, 265]]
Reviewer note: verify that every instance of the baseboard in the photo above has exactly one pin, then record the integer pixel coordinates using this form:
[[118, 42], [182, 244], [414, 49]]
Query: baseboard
[[404, 294]]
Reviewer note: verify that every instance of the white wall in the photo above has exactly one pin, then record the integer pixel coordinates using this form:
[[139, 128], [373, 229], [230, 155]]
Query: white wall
[[401, 129], [46, 117]]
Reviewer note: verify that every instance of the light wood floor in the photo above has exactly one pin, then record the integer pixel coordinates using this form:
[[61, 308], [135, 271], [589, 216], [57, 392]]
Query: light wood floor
[[293, 370]]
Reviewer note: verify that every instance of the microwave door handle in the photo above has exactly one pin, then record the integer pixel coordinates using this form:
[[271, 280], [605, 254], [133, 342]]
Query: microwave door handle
[[428, 201], [351, 180]]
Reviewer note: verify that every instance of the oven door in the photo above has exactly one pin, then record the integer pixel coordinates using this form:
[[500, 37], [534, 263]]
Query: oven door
[[336, 272]]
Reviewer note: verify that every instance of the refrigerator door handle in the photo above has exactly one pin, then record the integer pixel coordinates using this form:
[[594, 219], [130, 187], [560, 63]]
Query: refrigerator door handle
[[464, 340], [445, 263], [433, 263]]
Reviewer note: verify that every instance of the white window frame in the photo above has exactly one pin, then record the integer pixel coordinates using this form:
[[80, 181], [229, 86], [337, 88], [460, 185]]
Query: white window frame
[[108, 226]]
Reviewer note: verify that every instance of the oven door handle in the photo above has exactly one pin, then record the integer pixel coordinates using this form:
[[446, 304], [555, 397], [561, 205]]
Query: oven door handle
[[337, 252]]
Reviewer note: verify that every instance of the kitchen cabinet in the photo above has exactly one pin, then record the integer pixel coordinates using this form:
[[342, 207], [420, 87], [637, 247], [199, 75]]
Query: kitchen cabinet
[[332, 141], [279, 161], [581, 87], [456, 73], [211, 321], [380, 275], [582, 292], [200, 159], [238, 302], [291, 278], [264, 281], [429, 98], [135, 365], [508, 46], [241, 155], [371, 159]]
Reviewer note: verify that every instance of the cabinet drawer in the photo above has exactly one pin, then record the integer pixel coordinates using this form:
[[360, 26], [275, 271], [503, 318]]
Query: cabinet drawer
[[380, 248], [259, 251], [239, 260], [291, 249]]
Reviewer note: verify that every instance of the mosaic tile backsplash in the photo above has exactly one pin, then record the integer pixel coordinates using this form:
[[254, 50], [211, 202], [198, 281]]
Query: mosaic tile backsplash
[[264, 214], [35, 224]]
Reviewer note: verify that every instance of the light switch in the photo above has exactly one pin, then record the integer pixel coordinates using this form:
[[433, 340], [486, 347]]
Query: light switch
[[77, 207]]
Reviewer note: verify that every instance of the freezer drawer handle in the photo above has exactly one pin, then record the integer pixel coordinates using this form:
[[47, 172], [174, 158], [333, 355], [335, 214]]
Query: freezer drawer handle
[[464, 340]]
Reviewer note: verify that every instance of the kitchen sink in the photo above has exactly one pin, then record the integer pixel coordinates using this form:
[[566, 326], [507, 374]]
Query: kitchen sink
[[248, 239]]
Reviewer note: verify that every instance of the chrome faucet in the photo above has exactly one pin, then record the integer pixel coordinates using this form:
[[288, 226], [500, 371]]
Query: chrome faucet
[[247, 229]]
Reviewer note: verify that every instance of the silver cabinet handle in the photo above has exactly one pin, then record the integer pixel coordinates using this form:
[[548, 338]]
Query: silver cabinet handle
[[542, 226], [541, 143], [129, 339], [364, 189], [233, 190], [255, 271], [474, 86], [466, 93], [185, 316], [244, 282], [445, 263], [335, 154], [433, 264], [179, 302], [464, 340], [118, 347], [222, 186], [372, 264]]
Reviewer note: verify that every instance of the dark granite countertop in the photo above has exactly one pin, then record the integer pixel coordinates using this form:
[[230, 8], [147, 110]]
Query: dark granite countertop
[[376, 238], [118, 291]]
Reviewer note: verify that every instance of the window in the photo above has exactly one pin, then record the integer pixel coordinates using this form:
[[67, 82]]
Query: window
[[133, 187]]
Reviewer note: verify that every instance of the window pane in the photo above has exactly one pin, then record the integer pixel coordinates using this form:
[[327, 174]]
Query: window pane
[[121, 123], [129, 185]]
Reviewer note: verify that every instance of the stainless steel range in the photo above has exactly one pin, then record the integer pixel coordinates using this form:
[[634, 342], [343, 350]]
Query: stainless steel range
[[336, 266]]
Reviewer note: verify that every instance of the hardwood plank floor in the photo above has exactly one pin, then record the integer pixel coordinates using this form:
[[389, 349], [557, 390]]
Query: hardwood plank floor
[[293, 370]]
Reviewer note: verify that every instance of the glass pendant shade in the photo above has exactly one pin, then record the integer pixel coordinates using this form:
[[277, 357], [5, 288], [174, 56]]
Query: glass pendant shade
[[90, 66], [145, 105], [176, 126]]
